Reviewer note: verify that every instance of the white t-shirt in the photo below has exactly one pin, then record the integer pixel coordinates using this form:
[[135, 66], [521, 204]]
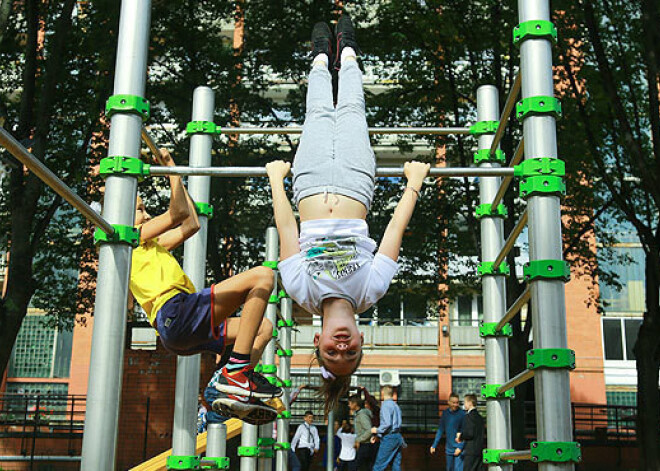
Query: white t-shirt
[[347, 446], [336, 260]]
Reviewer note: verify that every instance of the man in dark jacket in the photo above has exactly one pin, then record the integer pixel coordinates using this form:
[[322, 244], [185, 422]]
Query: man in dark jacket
[[471, 431], [365, 455]]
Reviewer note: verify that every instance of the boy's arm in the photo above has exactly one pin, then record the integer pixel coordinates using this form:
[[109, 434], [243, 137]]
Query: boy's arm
[[287, 227], [415, 173], [188, 228]]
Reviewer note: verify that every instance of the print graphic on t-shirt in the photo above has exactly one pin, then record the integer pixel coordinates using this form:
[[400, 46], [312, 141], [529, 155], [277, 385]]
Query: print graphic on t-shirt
[[336, 258]]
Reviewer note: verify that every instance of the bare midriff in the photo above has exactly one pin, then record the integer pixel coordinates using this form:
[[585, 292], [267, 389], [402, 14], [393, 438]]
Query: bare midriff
[[330, 206]]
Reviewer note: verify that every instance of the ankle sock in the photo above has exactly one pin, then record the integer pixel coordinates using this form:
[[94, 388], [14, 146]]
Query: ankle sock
[[320, 59], [237, 361], [348, 51]]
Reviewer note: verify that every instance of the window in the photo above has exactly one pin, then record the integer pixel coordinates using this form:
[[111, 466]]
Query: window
[[468, 310], [632, 296], [619, 337], [463, 385], [400, 309]]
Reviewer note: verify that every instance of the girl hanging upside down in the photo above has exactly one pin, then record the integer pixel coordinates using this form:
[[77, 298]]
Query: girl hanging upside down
[[330, 268]]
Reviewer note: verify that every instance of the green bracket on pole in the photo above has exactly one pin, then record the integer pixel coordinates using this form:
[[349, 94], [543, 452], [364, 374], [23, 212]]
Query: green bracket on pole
[[534, 29], [274, 381], [542, 185], [182, 462], [275, 333], [282, 446], [274, 299], [558, 358], [127, 104], [282, 294], [267, 369], [487, 329], [284, 352], [538, 105], [265, 441], [204, 209], [484, 156], [487, 268], [491, 456], [266, 453], [123, 235], [547, 269], [284, 415], [484, 127], [248, 451], [540, 166], [272, 264], [489, 391], [218, 463], [284, 323], [200, 127], [556, 452], [486, 210], [122, 165], [286, 383]]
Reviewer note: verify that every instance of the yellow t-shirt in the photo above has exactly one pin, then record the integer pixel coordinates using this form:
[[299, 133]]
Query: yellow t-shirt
[[156, 277]]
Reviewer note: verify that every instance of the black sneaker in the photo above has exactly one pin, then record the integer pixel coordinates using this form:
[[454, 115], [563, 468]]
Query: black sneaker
[[249, 410], [345, 36], [244, 382], [322, 41]]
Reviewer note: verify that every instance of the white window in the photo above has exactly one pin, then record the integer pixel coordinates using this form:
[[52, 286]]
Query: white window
[[619, 337]]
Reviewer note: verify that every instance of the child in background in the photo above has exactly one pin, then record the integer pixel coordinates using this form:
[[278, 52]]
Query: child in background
[[191, 322], [347, 436]]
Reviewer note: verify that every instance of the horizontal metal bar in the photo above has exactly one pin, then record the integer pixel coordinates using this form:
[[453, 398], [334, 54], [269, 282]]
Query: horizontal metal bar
[[511, 240], [380, 172], [523, 455], [517, 157], [40, 458], [49, 178], [504, 117], [518, 379], [515, 309], [374, 130]]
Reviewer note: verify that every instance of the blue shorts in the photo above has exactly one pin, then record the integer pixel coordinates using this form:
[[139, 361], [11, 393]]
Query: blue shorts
[[185, 324]]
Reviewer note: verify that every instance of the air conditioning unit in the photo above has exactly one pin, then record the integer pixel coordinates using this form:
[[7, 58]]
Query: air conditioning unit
[[389, 378]]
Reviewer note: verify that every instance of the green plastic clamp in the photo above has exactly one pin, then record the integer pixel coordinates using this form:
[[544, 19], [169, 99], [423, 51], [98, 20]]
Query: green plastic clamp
[[492, 456], [272, 264], [200, 127], [284, 323], [182, 462], [219, 463], [274, 299], [123, 235], [487, 329], [267, 369], [540, 166], [122, 165], [486, 268], [551, 358], [547, 269], [534, 29], [542, 185], [248, 451], [265, 441], [489, 391], [484, 156], [286, 383], [127, 104], [484, 127], [284, 352], [282, 446], [284, 415], [282, 294], [486, 210], [275, 333], [274, 381], [556, 452], [535, 105], [266, 453], [204, 209]]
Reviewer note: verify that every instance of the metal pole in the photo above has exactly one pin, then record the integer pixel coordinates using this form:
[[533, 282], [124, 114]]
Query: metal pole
[[520, 378], [376, 130], [284, 372], [523, 455], [551, 386], [330, 443], [216, 441], [107, 356], [49, 178], [515, 308], [184, 432], [494, 289], [249, 436], [268, 357], [150, 142], [380, 172], [511, 240], [504, 118]]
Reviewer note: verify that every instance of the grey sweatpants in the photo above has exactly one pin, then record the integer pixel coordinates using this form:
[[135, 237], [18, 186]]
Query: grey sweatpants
[[334, 154]]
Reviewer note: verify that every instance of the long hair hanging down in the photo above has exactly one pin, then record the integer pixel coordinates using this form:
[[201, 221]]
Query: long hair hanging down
[[334, 387]]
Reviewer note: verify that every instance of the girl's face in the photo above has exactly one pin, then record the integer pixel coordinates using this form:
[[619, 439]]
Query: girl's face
[[340, 348], [141, 214]]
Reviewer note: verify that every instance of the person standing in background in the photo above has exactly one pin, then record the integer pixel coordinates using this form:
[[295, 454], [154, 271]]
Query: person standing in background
[[364, 457], [389, 432], [449, 424], [306, 441], [471, 431]]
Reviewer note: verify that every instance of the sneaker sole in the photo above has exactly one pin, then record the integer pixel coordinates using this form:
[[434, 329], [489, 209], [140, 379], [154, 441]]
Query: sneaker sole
[[236, 391], [253, 414]]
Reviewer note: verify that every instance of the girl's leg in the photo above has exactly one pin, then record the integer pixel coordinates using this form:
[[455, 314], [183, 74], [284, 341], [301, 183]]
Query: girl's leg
[[315, 151], [264, 334], [352, 146], [250, 289]]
